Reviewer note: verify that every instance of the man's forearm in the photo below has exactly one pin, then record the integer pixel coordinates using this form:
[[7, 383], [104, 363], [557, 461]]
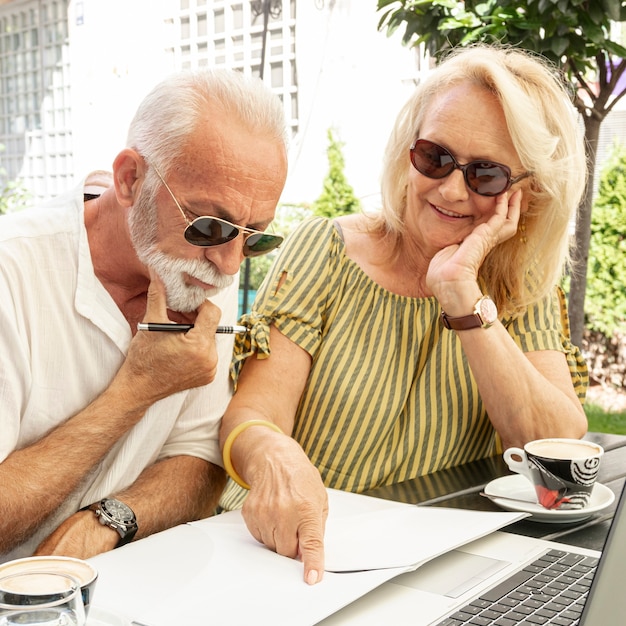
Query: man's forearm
[[174, 491], [35, 483], [171, 492]]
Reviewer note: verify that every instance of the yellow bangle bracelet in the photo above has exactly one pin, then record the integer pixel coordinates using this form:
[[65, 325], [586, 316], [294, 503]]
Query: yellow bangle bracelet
[[234, 433]]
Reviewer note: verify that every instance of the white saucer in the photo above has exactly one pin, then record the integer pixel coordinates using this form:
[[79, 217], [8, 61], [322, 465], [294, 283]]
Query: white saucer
[[102, 617], [517, 486]]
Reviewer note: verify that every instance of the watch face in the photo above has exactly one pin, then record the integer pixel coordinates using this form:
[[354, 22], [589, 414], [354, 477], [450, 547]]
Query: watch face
[[488, 311], [118, 511]]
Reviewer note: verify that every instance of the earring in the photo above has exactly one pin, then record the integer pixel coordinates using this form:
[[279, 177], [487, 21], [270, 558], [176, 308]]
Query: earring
[[522, 229]]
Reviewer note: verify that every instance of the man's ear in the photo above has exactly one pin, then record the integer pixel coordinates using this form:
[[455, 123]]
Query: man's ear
[[129, 170]]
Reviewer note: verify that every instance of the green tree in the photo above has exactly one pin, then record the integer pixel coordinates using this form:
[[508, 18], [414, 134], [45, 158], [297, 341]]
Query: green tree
[[337, 197], [575, 34], [606, 289]]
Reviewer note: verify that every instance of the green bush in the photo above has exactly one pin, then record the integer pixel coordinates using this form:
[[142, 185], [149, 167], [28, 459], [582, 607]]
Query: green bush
[[605, 304]]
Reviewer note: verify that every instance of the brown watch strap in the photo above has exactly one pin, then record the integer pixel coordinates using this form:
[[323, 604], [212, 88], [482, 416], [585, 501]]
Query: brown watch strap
[[465, 322], [484, 315]]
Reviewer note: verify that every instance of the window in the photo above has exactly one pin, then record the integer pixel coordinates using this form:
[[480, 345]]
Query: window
[[229, 33], [35, 115]]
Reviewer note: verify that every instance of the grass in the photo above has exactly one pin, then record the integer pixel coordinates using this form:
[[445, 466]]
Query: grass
[[601, 421]]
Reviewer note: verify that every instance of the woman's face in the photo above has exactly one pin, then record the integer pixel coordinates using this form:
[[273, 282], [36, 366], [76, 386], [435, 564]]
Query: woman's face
[[469, 122]]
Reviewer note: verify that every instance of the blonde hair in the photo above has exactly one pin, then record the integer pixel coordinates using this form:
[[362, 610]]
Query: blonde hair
[[545, 133]]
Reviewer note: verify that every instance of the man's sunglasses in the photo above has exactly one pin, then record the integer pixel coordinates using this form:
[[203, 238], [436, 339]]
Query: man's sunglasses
[[208, 231], [485, 178]]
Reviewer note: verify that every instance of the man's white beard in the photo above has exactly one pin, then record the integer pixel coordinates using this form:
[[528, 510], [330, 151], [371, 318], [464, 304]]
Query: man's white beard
[[172, 270], [180, 295]]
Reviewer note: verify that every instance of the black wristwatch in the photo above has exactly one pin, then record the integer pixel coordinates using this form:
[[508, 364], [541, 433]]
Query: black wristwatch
[[118, 516]]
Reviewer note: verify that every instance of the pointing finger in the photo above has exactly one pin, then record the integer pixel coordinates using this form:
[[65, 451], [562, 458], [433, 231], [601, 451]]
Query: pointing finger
[[311, 547]]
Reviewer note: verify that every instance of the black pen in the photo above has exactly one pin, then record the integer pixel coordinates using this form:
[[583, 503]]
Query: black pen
[[170, 327]]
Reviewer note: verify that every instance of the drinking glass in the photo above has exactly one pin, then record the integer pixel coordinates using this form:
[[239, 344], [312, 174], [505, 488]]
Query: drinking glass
[[41, 599]]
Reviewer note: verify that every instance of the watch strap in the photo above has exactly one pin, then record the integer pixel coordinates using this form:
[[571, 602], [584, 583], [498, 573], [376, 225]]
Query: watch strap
[[464, 322], [475, 319]]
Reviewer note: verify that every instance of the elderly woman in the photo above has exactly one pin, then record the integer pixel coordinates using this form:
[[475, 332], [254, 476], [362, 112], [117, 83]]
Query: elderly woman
[[385, 347]]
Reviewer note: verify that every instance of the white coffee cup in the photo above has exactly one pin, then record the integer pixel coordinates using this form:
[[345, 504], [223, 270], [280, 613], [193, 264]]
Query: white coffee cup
[[40, 599], [562, 471], [85, 573]]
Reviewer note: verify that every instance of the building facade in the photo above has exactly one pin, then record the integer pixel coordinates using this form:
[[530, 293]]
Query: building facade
[[35, 102], [72, 73]]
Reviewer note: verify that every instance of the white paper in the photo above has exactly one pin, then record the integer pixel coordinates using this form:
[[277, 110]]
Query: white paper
[[403, 538], [214, 572]]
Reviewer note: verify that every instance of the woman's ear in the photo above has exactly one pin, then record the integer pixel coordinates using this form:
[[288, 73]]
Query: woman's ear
[[128, 174], [529, 192], [523, 208]]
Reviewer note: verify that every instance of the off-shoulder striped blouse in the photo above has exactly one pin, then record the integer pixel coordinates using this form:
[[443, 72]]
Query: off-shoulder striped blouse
[[390, 394]]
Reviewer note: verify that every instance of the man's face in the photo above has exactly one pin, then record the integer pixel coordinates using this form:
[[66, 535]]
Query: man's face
[[175, 272], [217, 175]]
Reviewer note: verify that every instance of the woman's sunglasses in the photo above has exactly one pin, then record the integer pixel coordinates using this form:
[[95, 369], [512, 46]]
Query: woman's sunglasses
[[208, 231], [485, 178]]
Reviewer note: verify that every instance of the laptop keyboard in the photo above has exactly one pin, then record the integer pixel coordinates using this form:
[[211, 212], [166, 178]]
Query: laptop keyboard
[[551, 590]]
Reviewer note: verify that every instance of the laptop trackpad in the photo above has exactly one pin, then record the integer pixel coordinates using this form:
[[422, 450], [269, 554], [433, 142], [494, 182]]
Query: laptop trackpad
[[451, 574]]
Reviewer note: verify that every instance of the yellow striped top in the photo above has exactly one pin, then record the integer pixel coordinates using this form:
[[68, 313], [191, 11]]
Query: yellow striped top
[[390, 394]]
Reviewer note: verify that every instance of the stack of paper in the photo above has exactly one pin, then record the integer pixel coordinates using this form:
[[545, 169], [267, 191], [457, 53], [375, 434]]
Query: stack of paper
[[214, 572]]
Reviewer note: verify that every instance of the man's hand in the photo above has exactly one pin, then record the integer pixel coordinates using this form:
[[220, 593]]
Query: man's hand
[[161, 364], [289, 515], [81, 536]]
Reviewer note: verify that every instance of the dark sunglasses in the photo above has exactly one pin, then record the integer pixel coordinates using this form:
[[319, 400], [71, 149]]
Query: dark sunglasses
[[208, 231], [485, 178]]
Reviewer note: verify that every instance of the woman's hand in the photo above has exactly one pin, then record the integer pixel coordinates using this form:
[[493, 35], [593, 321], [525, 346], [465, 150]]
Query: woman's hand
[[455, 268], [287, 506]]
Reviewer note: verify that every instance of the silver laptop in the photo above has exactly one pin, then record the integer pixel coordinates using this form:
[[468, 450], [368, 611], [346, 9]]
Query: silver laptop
[[606, 602], [506, 580], [561, 587]]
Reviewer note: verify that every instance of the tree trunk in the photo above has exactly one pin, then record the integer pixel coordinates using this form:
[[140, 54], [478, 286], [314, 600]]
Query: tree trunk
[[578, 285]]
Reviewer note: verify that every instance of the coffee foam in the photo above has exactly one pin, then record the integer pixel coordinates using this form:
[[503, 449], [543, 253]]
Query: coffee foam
[[565, 450], [35, 583]]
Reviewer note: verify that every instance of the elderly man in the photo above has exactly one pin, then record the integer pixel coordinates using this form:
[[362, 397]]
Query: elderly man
[[110, 433]]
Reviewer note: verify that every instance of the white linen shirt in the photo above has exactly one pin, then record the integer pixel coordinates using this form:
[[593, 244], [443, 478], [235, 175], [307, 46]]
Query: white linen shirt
[[62, 340]]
